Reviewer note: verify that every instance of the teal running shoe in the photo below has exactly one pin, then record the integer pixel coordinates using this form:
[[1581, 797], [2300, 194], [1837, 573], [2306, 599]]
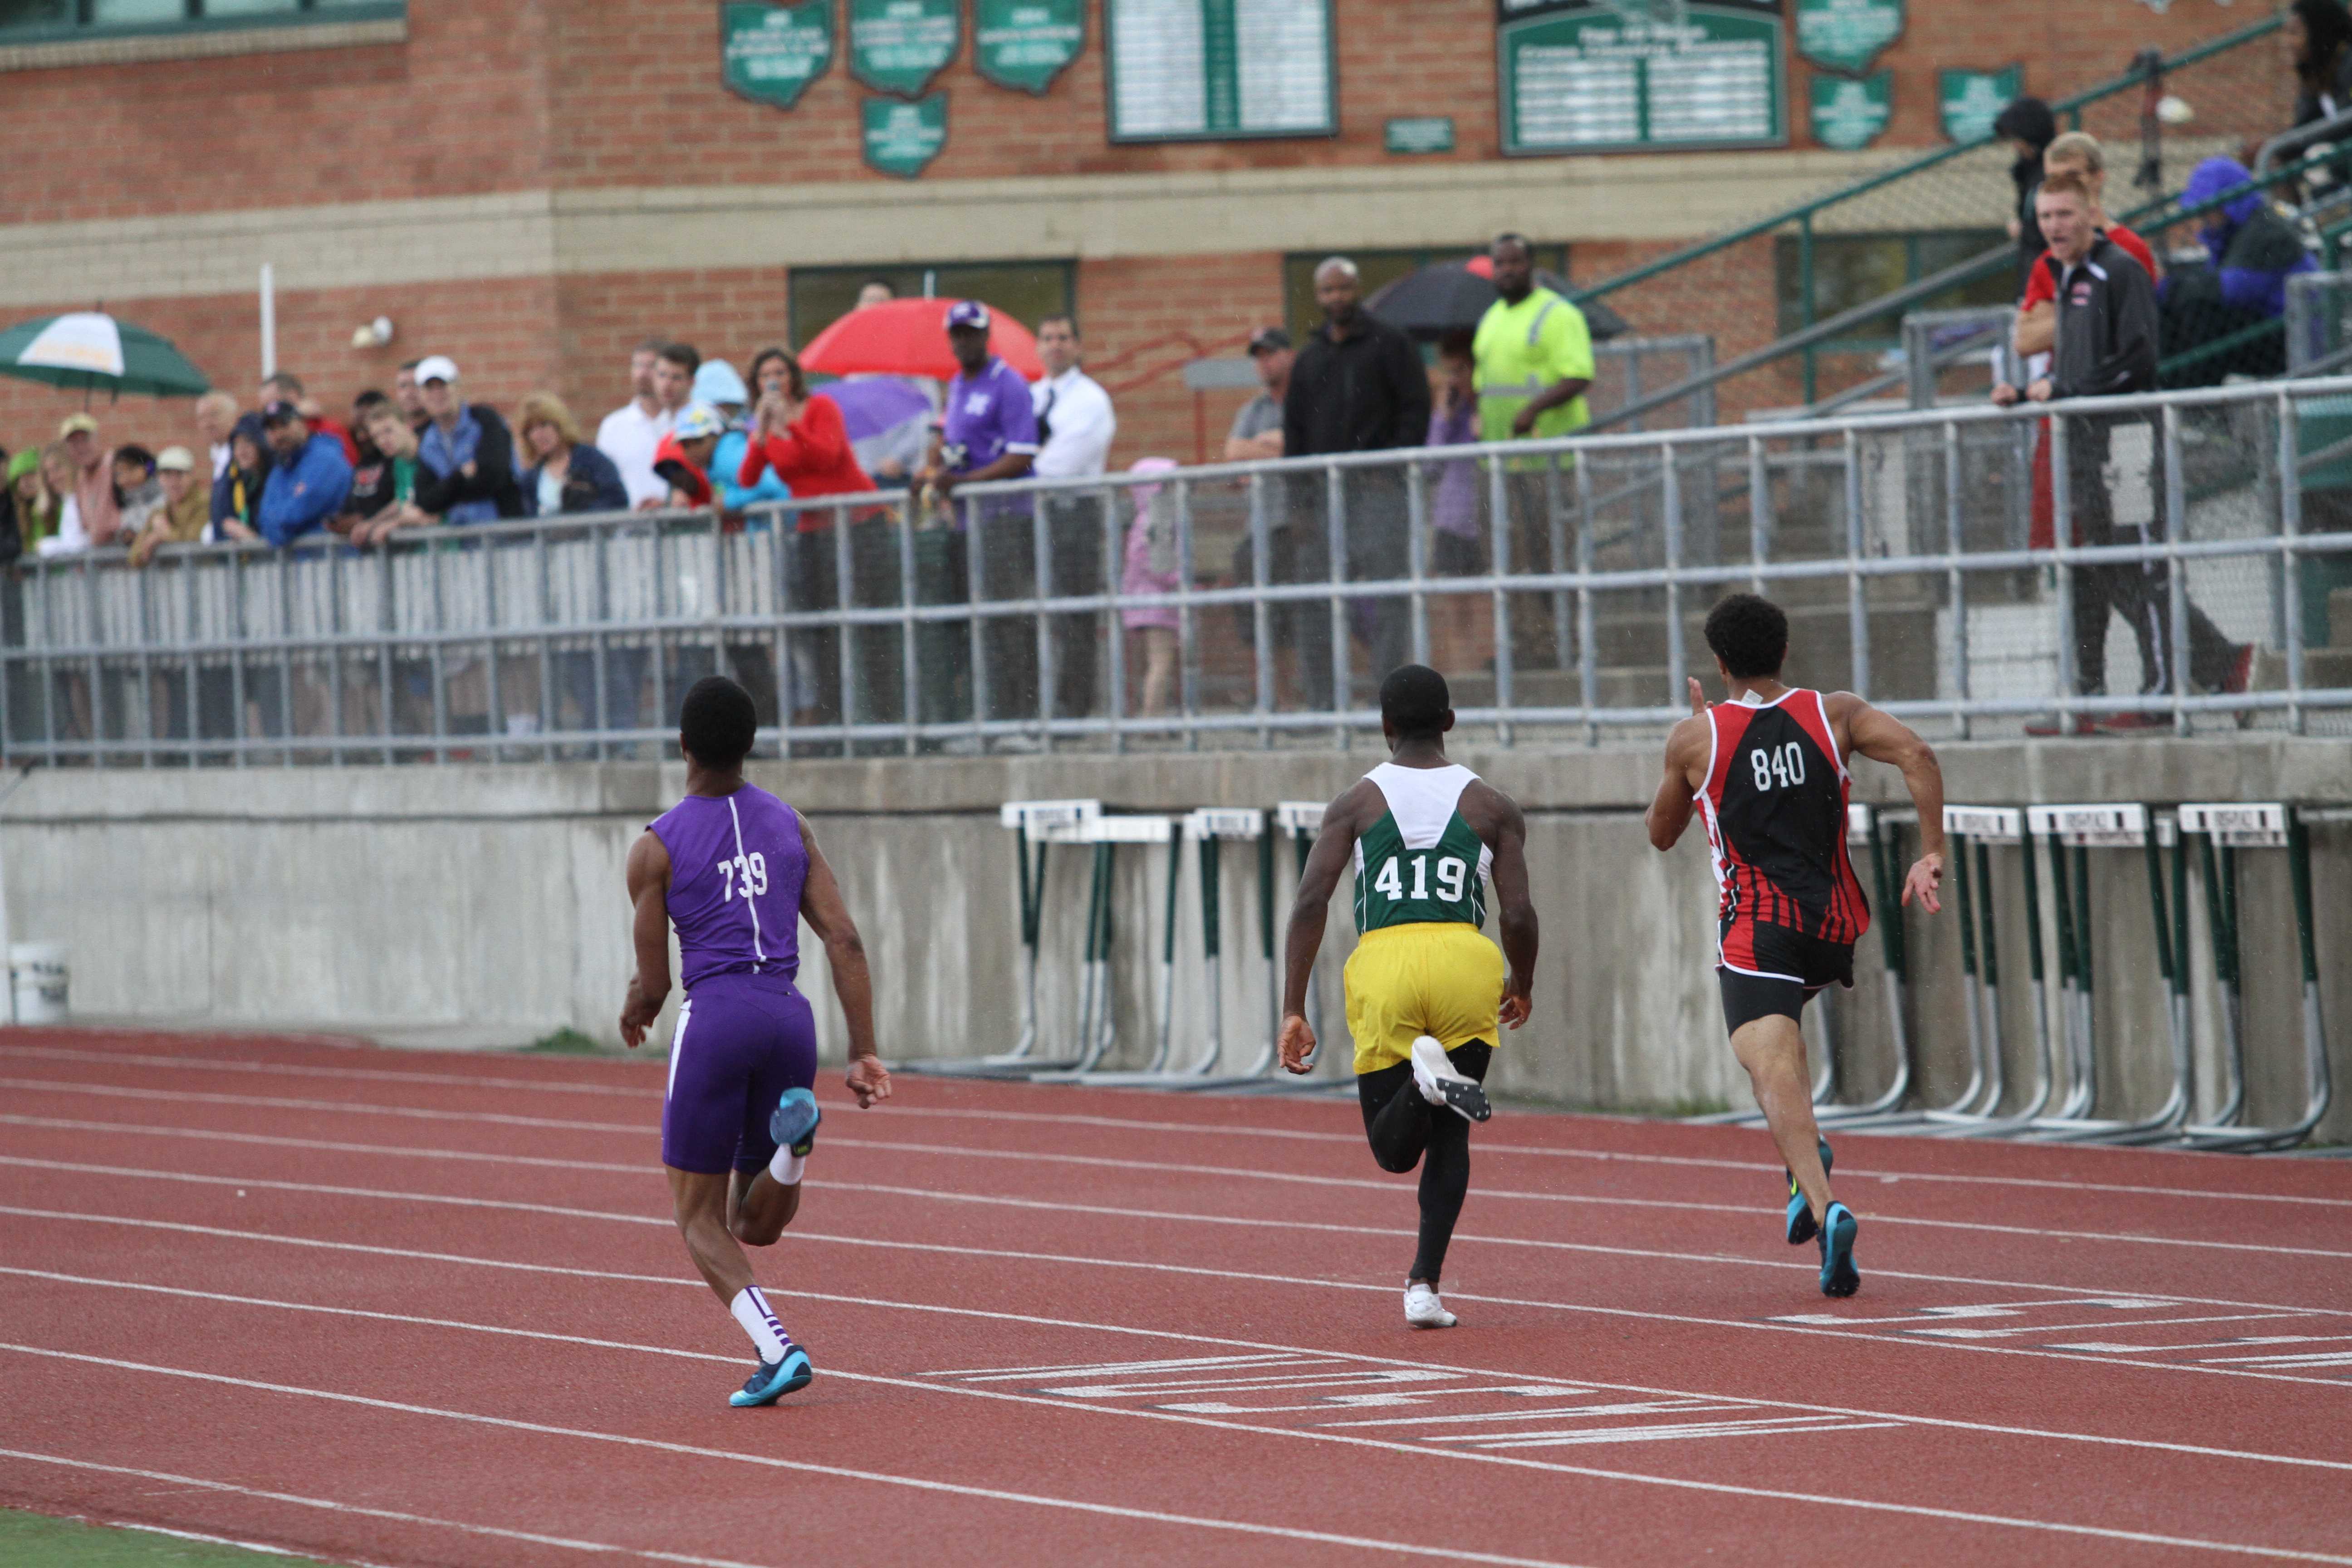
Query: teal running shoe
[[1839, 1276], [793, 1122], [771, 1381], [1801, 1226]]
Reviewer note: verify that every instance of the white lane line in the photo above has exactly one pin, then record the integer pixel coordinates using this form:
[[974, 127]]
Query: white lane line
[[341, 1074], [916, 1483], [561, 1211], [1032, 1157], [1235, 1221], [356, 1510], [856, 1189], [1262, 1351], [1222, 1129], [150, 1369]]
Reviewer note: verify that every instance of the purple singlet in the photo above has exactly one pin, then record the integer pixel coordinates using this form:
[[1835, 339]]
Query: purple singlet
[[745, 1034], [735, 866]]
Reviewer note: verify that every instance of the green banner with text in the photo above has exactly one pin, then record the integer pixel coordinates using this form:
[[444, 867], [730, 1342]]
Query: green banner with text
[[1849, 115], [902, 138], [899, 46], [1847, 35], [1025, 44], [769, 54], [1969, 101]]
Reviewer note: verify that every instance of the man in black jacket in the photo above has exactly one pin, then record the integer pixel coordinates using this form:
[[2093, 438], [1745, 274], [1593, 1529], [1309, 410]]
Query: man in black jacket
[[2106, 347], [1358, 385]]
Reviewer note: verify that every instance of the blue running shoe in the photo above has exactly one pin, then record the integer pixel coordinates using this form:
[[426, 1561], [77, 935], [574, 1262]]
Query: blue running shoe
[[1839, 1276], [771, 1381], [1801, 1228], [793, 1121]]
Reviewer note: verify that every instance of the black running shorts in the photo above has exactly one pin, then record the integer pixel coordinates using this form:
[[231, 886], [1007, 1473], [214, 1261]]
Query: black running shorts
[[1791, 966]]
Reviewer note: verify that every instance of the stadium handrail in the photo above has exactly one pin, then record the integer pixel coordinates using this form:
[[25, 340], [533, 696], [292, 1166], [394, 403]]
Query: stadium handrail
[[2135, 77]]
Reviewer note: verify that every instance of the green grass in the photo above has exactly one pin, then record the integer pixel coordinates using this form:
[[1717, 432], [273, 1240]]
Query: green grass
[[567, 1042], [35, 1540]]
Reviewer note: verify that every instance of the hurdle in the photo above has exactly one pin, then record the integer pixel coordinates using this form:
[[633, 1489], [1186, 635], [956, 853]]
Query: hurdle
[[2223, 828], [1301, 820], [1213, 825], [1881, 832], [1097, 1028], [2081, 828], [1041, 823], [1989, 826]]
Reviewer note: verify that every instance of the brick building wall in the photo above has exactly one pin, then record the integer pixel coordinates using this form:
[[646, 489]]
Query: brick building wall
[[617, 188]]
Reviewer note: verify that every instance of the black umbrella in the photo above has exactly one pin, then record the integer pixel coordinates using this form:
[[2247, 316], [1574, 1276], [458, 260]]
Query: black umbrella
[[1454, 295]]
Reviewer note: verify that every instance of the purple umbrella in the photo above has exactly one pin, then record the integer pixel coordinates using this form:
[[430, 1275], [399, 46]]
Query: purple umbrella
[[871, 405]]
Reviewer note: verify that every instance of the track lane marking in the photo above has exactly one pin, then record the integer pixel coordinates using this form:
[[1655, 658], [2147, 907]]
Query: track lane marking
[[356, 1510], [843, 1472], [1092, 1209], [1099, 1162], [1226, 1128], [1238, 1221], [1782, 1325], [575, 1272], [153, 1368]]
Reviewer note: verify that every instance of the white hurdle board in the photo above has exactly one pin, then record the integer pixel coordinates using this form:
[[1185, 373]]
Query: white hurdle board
[[2239, 823], [1858, 822], [2115, 826], [1125, 829], [1987, 824], [1224, 822], [1298, 816]]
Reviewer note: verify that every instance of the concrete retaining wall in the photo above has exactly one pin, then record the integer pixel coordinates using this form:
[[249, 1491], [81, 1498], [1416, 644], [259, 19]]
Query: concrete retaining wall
[[483, 905]]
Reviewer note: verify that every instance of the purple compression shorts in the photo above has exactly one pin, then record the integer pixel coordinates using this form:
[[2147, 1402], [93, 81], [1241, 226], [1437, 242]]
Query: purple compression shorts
[[741, 1041]]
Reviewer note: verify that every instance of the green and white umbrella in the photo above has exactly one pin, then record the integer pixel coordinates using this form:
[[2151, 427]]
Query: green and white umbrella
[[91, 350]]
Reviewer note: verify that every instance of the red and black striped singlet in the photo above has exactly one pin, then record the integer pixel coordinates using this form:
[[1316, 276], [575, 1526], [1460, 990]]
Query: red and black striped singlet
[[1775, 805]]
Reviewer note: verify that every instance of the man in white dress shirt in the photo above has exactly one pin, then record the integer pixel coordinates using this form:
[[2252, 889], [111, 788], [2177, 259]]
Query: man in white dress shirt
[[1076, 423], [630, 433]]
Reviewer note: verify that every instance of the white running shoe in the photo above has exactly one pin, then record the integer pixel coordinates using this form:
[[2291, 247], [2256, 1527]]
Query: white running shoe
[[1441, 1084], [1422, 1309]]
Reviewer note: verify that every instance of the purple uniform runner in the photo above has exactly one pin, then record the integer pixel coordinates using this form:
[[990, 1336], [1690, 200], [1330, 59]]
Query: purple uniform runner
[[745, 1034]]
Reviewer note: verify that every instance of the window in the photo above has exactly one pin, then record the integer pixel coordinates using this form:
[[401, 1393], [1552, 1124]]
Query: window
[[1379, 268], [1028, 291], [1851, 269], [34, 21]]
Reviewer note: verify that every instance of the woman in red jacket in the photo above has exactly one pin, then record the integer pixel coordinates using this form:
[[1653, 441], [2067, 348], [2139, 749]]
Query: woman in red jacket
[[801, 435]]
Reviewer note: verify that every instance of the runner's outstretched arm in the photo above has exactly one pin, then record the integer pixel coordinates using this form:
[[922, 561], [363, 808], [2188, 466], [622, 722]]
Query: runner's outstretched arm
[[648, 873], [827, 913], [1882, 737], [1514, 909], [1317, 880]]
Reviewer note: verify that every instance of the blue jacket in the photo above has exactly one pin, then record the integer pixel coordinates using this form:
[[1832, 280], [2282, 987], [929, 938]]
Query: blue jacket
[[590, 483], [2254, 250], [727, 460], [303, 494]]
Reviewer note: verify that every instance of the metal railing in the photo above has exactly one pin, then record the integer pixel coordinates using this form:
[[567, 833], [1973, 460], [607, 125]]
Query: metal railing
[[1559, 584], [1965, 184]]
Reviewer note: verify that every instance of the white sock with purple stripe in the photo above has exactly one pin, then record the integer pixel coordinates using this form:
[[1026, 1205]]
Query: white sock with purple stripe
[[751, 1309]]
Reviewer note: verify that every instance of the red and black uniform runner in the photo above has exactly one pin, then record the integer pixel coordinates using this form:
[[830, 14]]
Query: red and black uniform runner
[[1775, 806]]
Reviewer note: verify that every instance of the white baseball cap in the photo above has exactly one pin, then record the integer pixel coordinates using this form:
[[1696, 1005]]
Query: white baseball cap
[[436, 367]]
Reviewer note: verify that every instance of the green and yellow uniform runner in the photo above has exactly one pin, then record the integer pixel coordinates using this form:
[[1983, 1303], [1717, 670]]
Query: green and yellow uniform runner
[[1422, 966]]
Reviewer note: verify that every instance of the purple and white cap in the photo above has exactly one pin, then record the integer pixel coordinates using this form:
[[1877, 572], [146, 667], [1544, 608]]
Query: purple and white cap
[[968, 314]]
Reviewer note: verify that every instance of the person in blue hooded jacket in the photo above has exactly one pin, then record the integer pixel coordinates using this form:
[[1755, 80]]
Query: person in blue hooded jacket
[[311, 478], [2254, 250]]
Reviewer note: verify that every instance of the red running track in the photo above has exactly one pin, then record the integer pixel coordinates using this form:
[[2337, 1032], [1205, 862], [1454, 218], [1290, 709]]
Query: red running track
[[405, 1308]]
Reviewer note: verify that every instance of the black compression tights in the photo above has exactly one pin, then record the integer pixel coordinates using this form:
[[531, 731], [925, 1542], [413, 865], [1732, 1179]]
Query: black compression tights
[[1405, 1129]]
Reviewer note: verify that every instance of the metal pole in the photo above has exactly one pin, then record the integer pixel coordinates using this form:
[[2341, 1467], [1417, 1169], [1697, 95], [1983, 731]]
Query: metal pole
[[1506, 665], [1957, 581], [2176, 524]]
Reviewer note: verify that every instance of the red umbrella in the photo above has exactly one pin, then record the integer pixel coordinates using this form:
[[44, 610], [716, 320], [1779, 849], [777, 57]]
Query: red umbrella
[[909, 337]]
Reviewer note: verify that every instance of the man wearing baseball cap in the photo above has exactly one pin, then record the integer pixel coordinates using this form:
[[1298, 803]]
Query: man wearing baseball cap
[[1257, 428], [93, 467], [467, 450], [187, 506], [311, 478]]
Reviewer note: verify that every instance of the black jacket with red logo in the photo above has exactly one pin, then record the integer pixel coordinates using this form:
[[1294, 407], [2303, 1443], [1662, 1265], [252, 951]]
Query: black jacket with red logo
[[2107, 324]]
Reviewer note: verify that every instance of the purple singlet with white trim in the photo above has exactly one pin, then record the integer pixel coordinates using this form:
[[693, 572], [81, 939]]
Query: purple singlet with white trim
[[737, 865]]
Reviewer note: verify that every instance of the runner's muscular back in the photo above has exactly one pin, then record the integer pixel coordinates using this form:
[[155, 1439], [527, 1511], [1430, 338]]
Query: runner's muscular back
[[1859, 729], [1499, 823]]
